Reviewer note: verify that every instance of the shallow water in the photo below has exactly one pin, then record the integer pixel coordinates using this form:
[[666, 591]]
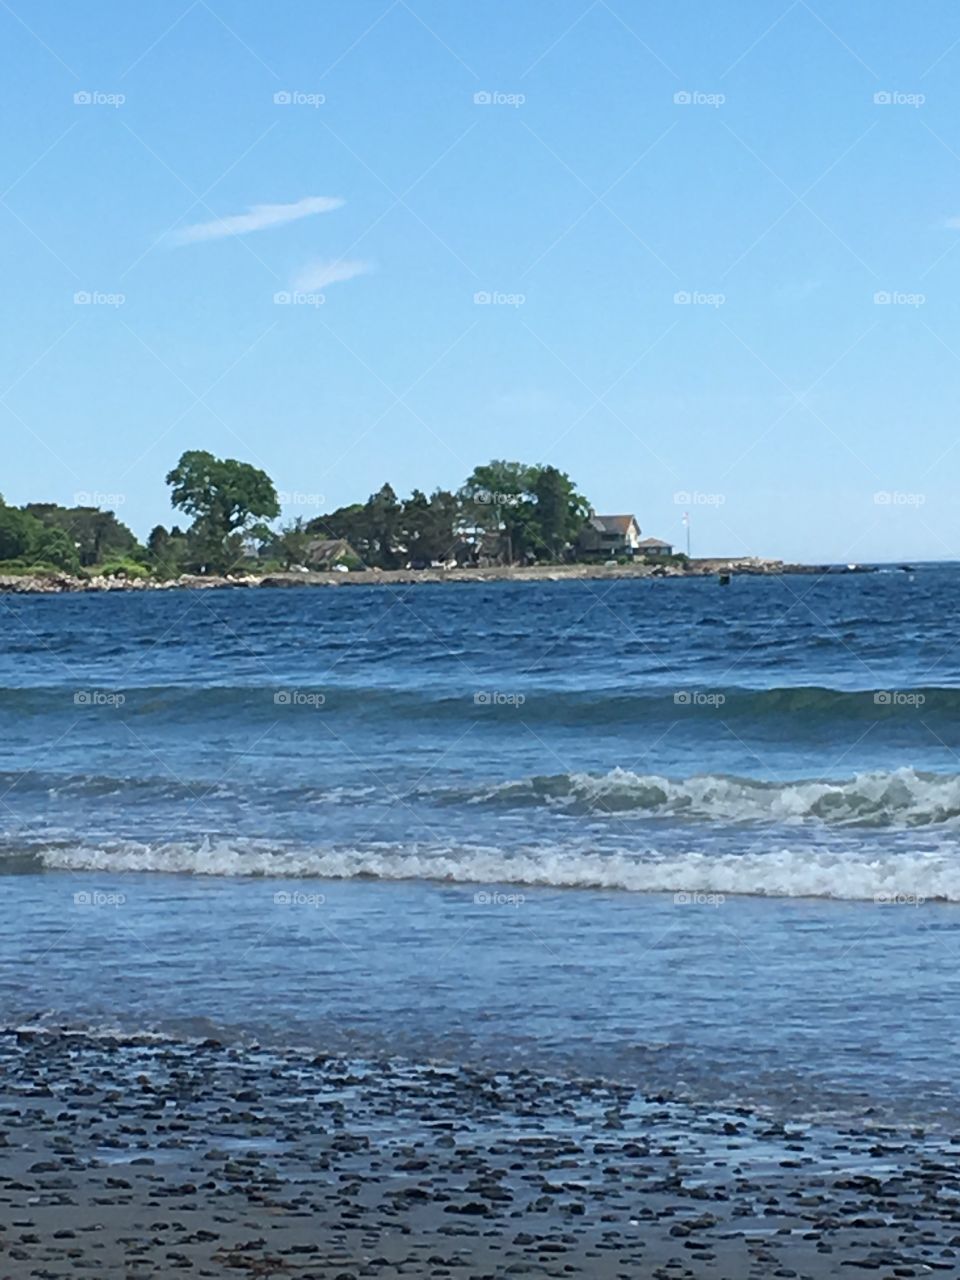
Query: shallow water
[[456, 820]]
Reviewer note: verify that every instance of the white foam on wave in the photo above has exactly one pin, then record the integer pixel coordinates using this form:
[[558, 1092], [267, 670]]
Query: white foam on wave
[[808, 873], [901, 798]]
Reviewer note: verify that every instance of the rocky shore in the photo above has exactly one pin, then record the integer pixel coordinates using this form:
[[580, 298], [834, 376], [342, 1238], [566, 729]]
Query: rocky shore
[[58, 584], [149, 1157]]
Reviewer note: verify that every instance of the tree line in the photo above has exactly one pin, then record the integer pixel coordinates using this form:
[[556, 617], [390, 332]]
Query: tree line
[[504, 512]]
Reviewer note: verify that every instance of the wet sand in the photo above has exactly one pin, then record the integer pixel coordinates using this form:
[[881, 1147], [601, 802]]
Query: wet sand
[[136, 1157]]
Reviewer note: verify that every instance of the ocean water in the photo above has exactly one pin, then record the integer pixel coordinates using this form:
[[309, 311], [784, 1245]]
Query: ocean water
[[700, 839]]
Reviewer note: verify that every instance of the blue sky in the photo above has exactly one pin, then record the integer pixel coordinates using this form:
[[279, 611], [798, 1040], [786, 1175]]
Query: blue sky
[[779, 165]]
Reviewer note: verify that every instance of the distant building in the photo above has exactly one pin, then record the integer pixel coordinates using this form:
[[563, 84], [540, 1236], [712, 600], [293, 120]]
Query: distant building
[[325, 553], [610, 537], [654, 547]]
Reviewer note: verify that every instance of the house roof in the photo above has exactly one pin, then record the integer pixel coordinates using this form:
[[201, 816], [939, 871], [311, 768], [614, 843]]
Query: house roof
[[653, 542], [614, 524], [325, 548]]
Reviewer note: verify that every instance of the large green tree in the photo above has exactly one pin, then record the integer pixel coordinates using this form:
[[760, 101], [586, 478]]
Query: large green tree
[[96, 535], [168, 551], [496, 496], [16, 529], [528, 512], [560, 512], [226, 498], [26, 539], [291, 546], [373, 528], [430, 527], [382, 514]]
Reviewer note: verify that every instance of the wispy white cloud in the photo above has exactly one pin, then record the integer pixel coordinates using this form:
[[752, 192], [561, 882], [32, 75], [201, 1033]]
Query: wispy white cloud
[[317, 275], [257, 218]]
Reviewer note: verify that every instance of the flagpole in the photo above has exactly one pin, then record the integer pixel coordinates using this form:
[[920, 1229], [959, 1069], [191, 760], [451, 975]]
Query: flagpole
[[686, 521]]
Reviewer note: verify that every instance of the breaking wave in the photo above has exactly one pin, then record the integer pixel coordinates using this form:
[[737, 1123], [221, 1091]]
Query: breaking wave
[[899, 800], [903, 798], [794, 873]]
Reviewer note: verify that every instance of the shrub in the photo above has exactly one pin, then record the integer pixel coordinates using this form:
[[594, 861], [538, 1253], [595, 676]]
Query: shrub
[[120, 567], [29, 569]]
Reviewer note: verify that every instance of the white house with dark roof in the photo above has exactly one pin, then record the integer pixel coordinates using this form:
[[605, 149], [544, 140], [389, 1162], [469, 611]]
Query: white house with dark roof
[[610, 536], [617, 537]]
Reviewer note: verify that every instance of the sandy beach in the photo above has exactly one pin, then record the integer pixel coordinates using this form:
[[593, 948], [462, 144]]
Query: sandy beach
[[146, 1157]]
